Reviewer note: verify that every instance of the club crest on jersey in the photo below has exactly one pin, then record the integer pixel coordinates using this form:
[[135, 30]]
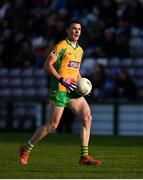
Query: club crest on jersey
[[73, 64], [53, 52]]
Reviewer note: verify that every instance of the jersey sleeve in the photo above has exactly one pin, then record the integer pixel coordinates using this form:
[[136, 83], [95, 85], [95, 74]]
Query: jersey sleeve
[[55, 52]]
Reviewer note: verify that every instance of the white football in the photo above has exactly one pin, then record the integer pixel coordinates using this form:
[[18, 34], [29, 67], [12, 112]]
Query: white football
[[84, 87]]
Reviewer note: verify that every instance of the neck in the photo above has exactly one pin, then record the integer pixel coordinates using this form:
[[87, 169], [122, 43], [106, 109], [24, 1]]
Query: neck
[[72, 42]]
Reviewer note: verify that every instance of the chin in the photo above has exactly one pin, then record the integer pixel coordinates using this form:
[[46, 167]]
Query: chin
[[75, 39]]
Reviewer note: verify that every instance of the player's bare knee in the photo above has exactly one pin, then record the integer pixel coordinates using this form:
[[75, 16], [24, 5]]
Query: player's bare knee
[[51, 126], [87, 120], [54, 126]]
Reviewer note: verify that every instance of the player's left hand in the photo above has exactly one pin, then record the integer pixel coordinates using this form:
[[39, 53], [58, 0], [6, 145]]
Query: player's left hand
[[71, 87], [69, 83]]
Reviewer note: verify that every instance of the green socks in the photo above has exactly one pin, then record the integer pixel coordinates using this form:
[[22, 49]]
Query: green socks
[[84, 151]]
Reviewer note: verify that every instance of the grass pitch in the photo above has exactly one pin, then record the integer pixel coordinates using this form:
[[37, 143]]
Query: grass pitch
[[57, 157]]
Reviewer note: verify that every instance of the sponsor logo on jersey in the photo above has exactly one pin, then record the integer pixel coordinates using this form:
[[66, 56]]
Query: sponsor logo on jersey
[[73, 64]]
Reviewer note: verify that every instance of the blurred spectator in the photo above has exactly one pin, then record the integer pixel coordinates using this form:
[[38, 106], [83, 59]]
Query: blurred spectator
[[97, 79], [109, 87], [37, 23], [24, 57], [60, 4], [125, 86], [7, 48], [110, 84], [39, 50], [108, 44], [1, 53], [108, 11], [136, 13], [136, 42], [122, 45], [3, 8], [104, 87]]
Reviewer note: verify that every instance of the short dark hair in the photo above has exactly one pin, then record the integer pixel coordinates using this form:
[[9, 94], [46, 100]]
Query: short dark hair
[[72, 21]]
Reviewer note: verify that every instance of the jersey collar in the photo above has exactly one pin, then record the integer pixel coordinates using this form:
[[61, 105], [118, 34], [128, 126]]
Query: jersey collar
[[69, 42]]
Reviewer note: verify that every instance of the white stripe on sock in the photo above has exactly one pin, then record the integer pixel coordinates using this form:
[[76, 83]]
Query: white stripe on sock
[[30, 144]]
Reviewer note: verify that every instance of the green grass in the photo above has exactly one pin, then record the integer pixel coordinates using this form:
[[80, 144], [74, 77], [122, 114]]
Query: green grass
[[57, 157]]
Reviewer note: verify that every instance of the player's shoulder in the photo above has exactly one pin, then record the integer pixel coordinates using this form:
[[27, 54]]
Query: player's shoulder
[[61, 43], [60, 46], [80, 48]]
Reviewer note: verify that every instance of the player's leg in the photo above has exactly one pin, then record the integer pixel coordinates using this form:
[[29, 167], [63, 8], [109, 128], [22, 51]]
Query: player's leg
[[54, 116], [81, 109]]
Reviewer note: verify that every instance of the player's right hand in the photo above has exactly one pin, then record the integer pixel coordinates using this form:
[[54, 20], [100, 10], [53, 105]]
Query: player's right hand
[[69, 83]]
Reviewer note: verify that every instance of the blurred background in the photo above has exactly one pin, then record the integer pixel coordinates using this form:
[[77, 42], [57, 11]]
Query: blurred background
[[112, 39]]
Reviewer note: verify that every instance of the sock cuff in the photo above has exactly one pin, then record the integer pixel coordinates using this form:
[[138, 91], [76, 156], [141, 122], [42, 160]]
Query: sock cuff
[[84, 150], [84, 146], [31, 145]]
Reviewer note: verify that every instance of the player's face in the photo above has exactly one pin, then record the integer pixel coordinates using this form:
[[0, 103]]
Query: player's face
[[74, 32]]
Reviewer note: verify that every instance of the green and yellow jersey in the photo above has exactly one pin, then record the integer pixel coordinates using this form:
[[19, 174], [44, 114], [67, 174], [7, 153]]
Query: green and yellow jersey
[[68, 60], [67, 64]]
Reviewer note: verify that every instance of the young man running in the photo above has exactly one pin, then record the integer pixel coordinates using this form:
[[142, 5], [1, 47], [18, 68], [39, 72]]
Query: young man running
[[63, 65]]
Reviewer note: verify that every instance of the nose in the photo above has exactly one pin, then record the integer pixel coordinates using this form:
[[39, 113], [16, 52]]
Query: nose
[[77, 32]]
